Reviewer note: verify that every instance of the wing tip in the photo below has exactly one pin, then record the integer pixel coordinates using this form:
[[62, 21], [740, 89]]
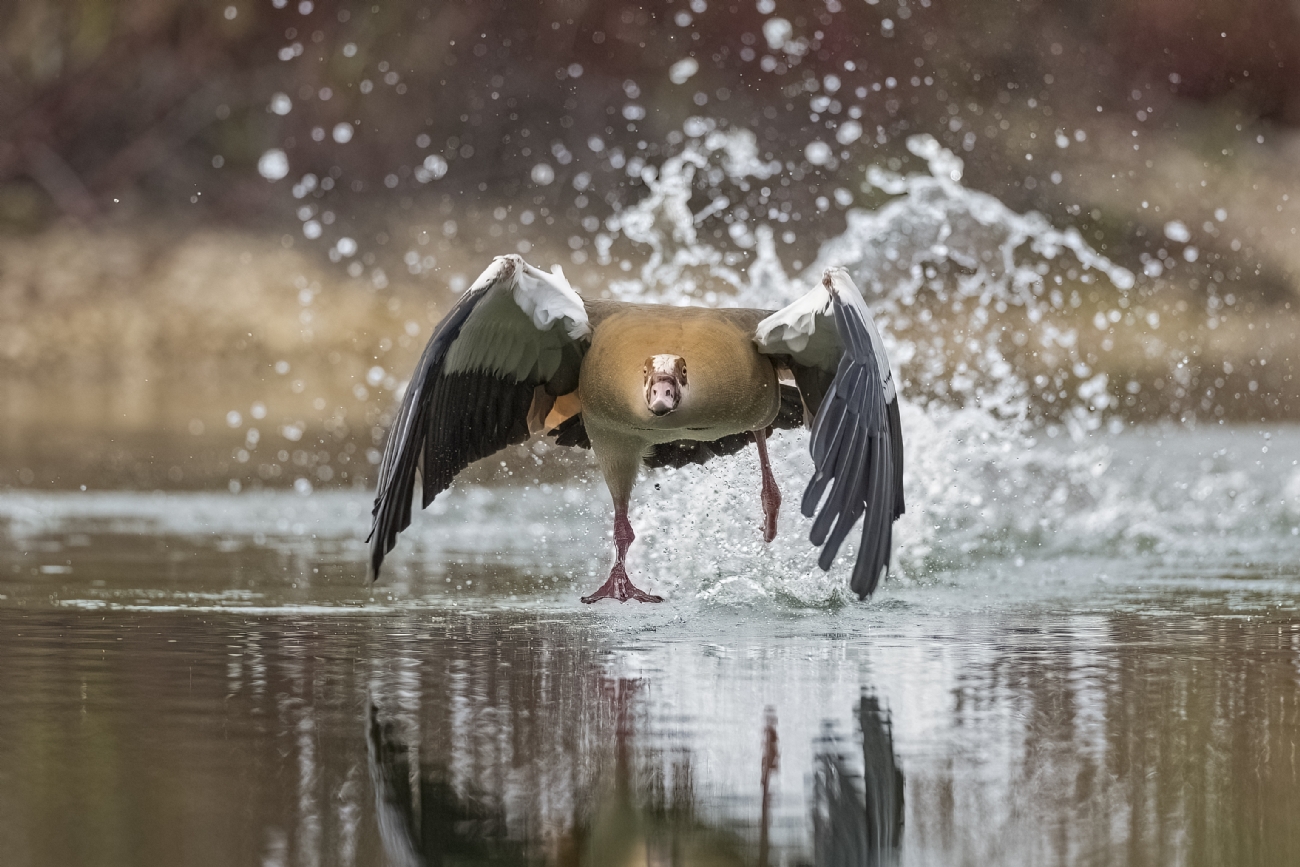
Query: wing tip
[[832, 277], [840, 286], [376, 558], [866, 588]]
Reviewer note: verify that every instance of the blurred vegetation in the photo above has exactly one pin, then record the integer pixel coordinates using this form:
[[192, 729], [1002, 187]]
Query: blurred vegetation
[[127, 102], [431, 136]]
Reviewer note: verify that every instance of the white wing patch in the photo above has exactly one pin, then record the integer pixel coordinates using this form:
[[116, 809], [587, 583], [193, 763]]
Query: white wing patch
[[838, 281], [513, 330], [548, 297], [794, 324], [806, 329]]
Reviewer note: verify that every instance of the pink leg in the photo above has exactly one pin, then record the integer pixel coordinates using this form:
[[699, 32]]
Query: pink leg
[[771, 496], [618, 585]]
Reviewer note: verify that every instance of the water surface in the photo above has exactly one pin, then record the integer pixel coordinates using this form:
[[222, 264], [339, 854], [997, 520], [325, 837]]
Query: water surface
[[203, 679]]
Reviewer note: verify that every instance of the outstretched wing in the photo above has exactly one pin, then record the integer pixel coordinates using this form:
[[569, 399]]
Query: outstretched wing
[[487, 379], [857, 442]]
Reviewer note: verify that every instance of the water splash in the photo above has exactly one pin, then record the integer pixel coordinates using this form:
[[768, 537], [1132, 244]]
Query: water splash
[[662, 228], [950, 271], [941, 252]]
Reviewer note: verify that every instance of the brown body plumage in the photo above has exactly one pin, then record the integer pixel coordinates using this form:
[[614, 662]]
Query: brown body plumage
[[731, 388]]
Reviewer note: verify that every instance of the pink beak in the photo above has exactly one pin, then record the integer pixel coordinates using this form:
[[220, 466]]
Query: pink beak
[[664, 396]]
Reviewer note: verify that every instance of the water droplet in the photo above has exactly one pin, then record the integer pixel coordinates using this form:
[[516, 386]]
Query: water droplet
[[818, 153], [1176, 230], [542, 174], [681, 71], [777, 31], [849, 132], [273, 164]]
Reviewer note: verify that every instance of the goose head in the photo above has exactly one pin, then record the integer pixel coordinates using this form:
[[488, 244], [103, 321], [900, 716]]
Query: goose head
[[665, 383]]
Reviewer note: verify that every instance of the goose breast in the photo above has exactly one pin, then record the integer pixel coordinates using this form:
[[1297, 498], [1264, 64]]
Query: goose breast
[[731, 388]]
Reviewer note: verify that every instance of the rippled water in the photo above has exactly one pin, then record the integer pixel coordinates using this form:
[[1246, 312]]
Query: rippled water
[[202, 678]]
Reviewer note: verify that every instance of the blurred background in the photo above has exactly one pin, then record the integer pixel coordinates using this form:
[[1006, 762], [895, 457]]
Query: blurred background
[[227, 229]]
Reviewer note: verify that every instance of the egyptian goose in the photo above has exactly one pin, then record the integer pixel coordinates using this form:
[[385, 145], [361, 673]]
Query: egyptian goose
[[522, 353]]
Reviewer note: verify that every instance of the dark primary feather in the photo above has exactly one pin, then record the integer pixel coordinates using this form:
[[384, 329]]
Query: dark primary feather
[[857, 452], [896, 451], [483, 413], [858, 818], [572, 432], [406, 438], [813, 383]]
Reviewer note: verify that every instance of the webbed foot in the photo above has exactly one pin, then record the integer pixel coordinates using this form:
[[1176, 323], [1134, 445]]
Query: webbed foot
[[618, 586]]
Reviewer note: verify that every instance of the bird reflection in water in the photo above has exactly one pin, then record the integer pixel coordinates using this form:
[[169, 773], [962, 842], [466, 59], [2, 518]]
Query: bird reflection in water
[[642, 821], [423, 820], [637, 820], [852, 827]]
